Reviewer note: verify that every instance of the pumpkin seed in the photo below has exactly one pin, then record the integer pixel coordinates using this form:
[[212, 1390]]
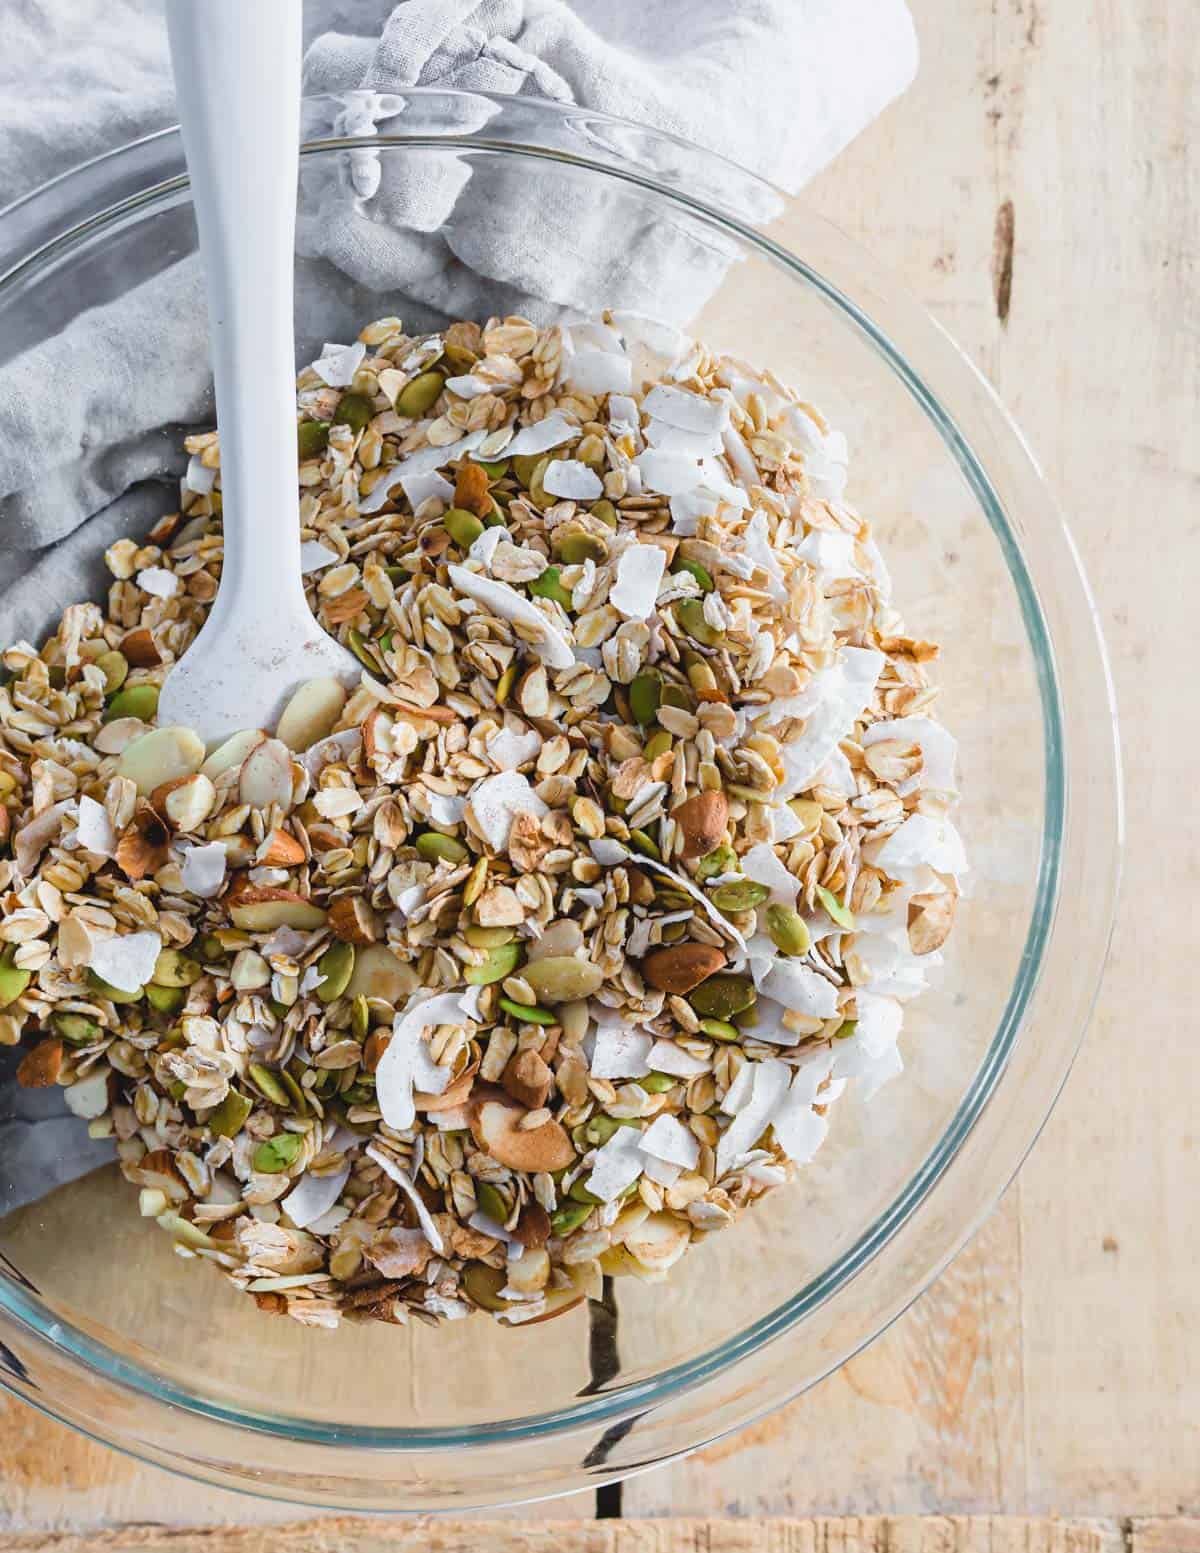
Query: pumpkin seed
[[483, 1284], [694, 569], [846, 1030], [114, 666], [420, 395], [657, 744], [739, 895], [336, 966], [645, 697], [166, 1000], [434, 848], [113, 994], [506, 682], [230, 1116], [273, 1156], [268, 1082], [76, 1029], [488, 937], [525, 467], [690, 615], [723, 995], [526, 1013], [499, 962], [605, 512], [563, 978], [13, 980], [360, 1018], [839, 913], [463, 527], [361, 649], [354, 410], [133, 701], [173, 968], [312, 438], [788, 930], [657, 1083], [641, 842], [548, 586], [495, 468], [569, 1217], [212, 948], [580, 1194], [579, 546], [720, 1030], [491, 1201], [722, 860], [677, 695], [295, 1093]]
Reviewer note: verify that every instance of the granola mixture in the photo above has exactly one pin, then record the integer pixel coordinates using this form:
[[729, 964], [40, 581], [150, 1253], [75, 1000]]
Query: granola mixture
[[544, 950]]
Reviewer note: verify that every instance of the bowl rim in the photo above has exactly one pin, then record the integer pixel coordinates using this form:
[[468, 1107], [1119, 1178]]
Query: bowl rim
[[604, 1409]]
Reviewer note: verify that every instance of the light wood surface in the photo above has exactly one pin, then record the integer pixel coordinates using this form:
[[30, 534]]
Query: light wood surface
[[1037, 189]]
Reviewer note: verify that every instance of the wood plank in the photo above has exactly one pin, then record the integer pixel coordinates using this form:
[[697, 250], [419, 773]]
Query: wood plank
[[1165, 1534], [869, 1534]]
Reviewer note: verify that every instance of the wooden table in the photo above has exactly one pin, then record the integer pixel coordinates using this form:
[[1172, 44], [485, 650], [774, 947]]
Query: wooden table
[[1038, 189]]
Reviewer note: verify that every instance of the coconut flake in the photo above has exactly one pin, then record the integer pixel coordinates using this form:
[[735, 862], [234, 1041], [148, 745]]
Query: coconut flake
[[550, 432], [597, 372], [95, 832], [127, 961], [483, 549], [468, 386], [923, 841], [402, 1180], [508, 749], [639, 572], [608, 852], [800, 989], [762, 865], [663, 339], [799, 1131], [623, 415], [659, 1170], [203, 871], [495, 800], [159, 582], [551, 646], [406, 1064], [768, 1085], [688, 411], [666, 1057], [837, 774], [690, 444], [444, 810], [420, 485], [571, 479], [830, 555], [334, 749], [313, 1196], [939, 750], [671, 474], [668, 1139], [830, 705], [314, 556], [784, 823], [621, 1052], [199, 477], [617, 1165], [337, 364]]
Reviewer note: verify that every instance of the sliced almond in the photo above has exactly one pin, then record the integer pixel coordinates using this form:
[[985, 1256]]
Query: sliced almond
[[496, 1128], [680, 967], [433, 714], [456, 1093], [659, 1240], [533, 1226], [141, 649], [262, 908], [158, 1169], [702, 820], [528, 1080], [267, 776], [585, 1282], [353, 920], [378, 973], [160, 756], [144, 845], [232, 752], [41, 1067], [930, 918], [88, 1097], [280, 849], [311, 713]]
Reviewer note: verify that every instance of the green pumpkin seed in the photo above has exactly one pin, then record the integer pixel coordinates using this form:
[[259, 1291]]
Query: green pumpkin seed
[[483, 1284], [491, 1201], [690, 615], [641, 842], [788, 930], [739, 895], [312, 438], [212, 948], [657, 744], [420, 395], [230, 1116], [435, 848], [846, 1030], [133, 701], [723, 995], [657, 1083], [463, 527], [526, 1012], [842, 915], [569, 1217], [676, 695], [166, 1000], [488, 937], [173, 968], [360, 1018], [114, 666], [506, 682], [580, 1194], [563, 978], [525, 467], [722, 860], [336, 965], [295, 1093], [266, 1081], [177, 1090], [548, 586], [354, 410], [605, 512], [76, 1029], [494, 468], [113, 994], [645, 697], [13, 980], [694, 569], [499, 962], [362, 650], [273, 1156], [720, 1030], [577, 547]]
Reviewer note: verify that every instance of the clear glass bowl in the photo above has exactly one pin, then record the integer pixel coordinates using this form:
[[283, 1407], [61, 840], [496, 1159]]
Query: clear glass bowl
[[486, 202]]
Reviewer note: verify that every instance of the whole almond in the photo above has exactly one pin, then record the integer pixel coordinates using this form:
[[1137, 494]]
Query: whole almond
[[680, 967], [528, 1080], [701, 820], [352, 919], [141, 649], [280, 850], [41, 1067]]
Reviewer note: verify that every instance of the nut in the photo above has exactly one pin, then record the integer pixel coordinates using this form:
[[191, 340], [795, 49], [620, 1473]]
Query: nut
[[311, 713], [379, 974], [233, 752], [187, 803], [930, 918], [702, 820], [495, 1126], [351, 918], [262, 908], [40, 1067], [563, 978], [141, 649], [680, 967], [160, 756], [144, 845], [267, 775], [280, 849], [471, 489], [528, 1080]]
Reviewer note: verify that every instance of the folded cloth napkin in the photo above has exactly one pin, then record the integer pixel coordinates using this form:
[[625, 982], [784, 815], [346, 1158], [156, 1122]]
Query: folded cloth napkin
[[778, 86]]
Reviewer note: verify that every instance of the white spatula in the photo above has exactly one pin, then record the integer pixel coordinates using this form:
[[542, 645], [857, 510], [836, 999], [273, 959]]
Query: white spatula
[[237, 77]]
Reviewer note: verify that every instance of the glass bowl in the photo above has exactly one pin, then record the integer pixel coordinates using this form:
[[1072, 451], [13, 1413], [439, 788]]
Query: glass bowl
[[493, 206]]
